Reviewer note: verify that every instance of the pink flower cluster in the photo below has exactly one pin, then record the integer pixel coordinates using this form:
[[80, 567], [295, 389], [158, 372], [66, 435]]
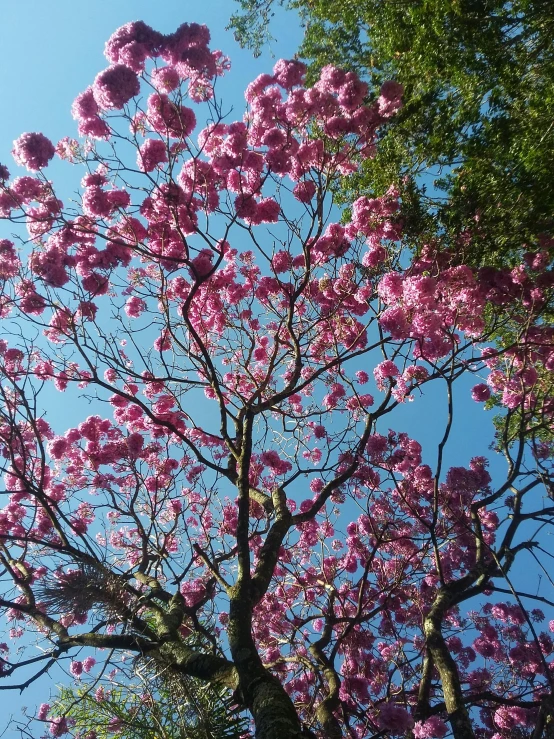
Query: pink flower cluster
[[151, 154], [33, 151], [86, 111], [432, 728], [114, 87], [277, 465], [132, 44], [395, 719], [188, 57], [390, 99], [169, 119]]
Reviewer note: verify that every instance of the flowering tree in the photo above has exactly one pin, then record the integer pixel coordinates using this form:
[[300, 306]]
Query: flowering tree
[[243, 511]]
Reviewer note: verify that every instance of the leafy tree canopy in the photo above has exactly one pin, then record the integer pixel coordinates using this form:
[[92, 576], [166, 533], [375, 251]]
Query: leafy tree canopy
[[147, 704], [472, 148]]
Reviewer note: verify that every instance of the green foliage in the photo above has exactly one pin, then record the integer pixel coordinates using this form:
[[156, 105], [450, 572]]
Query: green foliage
[[149, 704], [472, 148], [158, 707], [251, 27]]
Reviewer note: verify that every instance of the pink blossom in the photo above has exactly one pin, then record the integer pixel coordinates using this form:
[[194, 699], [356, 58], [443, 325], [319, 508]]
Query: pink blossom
[[87, 310], [480, 393], [187, 51], [366, 400], [9, 261], [58, 726], [96, 284], [169, 119], [415, 374], [245, 206], [394, 718], [267, 211], [163, 342], [68, 149], [43, 711], [132, 44], [151, 154], [255, 88], [134, 307], [304, 191], [99, 694], [88, 664], [7, 203], [135, 443], [85, 106], [331, 78], [76, 669], [288, 74], [33, 151], [394, 321], [115, 86], [390, 287], [272, 460], [375, 256], [275, 138], [281, 262], [95, 127], [165, 79], [511, 398], [202, 264], [390, 100], [384, 371], [352, 91], [115, 725], [509, 717], [118, 199], [419, 291], [432, 728]]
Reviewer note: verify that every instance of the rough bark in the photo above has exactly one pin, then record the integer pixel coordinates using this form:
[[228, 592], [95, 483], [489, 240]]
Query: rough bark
[[206, 667], [274, 714], [453, 697], [544, 728]]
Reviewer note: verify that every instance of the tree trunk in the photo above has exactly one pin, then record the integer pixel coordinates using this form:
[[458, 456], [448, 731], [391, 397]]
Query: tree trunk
[[450, 679], [274, 714]]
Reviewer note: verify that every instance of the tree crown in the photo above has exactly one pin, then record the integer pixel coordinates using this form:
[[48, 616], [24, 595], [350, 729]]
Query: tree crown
[[244, 488]]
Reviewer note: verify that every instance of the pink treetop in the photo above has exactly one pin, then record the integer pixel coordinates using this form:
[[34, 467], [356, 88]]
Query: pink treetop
[[243, 481]]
